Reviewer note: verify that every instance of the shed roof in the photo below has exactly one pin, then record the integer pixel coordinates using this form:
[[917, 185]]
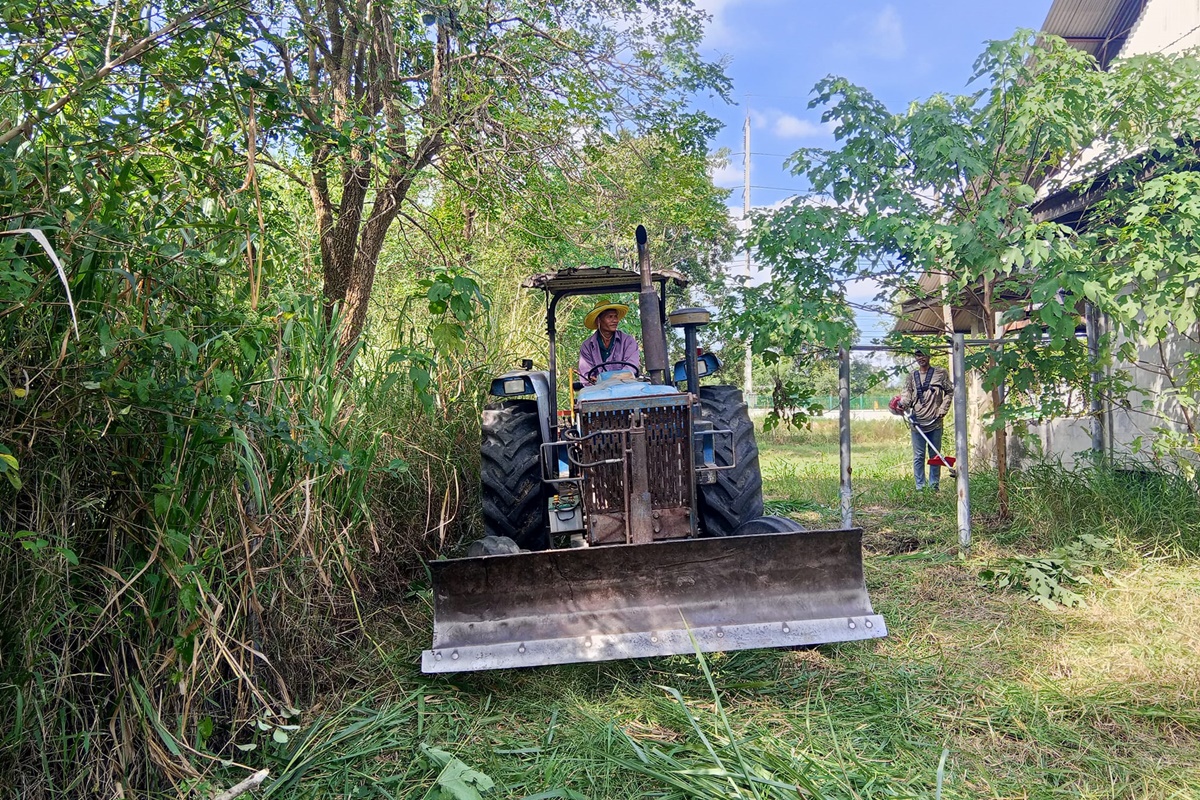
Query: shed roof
[[925, 314], [1099, 27], [599, 280]]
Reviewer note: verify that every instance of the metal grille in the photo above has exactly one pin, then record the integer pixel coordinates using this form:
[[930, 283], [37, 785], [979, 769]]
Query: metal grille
[[668, 435]]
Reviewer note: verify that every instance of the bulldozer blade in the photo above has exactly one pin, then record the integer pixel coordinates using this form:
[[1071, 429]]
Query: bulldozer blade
[[633, 601]]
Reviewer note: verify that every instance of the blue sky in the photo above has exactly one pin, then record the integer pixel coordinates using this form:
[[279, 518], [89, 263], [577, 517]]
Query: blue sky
[[776, 50]]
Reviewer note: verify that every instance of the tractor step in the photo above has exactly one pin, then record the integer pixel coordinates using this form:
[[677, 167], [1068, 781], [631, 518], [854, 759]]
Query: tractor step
[[634, 601]]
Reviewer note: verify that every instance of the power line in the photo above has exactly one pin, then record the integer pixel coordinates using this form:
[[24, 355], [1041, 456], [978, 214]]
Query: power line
[[779, 96]]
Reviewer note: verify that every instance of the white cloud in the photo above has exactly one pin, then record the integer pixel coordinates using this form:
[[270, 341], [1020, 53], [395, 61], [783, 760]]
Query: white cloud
[[887, 34], [789, 126], [737, 24], [879, 36], [726, 175], [863, 291], [718, 33]]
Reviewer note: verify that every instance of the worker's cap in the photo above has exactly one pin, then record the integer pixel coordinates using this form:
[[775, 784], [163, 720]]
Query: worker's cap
[[589, 321], [919, 352]]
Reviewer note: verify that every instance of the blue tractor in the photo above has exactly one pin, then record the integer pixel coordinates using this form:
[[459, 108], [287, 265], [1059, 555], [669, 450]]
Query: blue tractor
[[631, 524]]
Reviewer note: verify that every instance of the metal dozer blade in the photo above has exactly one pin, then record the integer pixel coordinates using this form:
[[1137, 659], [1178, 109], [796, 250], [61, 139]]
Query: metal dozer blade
[[632, 601]]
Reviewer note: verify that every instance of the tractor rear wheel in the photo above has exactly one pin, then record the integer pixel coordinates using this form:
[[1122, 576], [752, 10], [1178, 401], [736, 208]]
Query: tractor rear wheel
[[736, 497], [510, 475]]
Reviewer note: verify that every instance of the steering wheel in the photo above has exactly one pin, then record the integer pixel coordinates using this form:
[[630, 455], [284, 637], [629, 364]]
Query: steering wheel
[[592, 373]]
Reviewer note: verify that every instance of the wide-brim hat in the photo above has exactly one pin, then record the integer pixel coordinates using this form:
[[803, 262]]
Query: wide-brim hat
[[589, 321]]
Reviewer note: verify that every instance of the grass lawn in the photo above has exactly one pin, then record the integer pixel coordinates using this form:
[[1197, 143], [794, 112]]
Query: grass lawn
[[977, 692]]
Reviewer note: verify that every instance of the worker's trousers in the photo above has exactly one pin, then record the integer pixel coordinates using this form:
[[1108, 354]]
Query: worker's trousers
[[922, 451]]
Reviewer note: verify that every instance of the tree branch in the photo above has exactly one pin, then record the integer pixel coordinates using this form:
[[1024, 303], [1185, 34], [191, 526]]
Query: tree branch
[[139, 48]]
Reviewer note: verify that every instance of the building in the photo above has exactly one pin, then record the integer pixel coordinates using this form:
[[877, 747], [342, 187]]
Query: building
[[1123, 428]]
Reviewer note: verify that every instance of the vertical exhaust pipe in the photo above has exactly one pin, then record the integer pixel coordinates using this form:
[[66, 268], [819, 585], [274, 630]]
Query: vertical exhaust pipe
[[653, 337]]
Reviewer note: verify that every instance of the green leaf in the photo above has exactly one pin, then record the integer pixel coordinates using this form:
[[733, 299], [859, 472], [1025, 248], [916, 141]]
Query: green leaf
[[457, 780], [463, 783], [205, 728], [189, 598], [178, 541]]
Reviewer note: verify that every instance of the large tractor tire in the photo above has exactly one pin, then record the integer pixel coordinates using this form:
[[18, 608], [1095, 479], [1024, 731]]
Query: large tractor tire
[[736, 497], [510, 475]]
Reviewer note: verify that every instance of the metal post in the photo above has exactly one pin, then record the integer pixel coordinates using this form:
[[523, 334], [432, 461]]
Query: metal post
[[551, 332], [641, 513], [748, 369], [844, 433], [1097, 417], [961, 445]]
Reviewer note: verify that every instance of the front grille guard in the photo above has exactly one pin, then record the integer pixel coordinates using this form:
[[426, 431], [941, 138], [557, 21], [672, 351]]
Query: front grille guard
[[553, 453]]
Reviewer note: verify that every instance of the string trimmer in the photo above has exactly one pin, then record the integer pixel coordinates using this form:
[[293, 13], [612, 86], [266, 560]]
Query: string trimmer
[[938, 459]]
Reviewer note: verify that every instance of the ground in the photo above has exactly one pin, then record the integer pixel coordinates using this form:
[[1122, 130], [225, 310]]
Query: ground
[[977, 692]]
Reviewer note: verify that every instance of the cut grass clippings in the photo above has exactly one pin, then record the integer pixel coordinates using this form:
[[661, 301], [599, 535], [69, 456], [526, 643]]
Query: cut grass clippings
[[976, 693]]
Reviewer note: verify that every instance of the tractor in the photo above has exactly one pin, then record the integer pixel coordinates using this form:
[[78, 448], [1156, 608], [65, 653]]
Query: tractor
[[631, 523]]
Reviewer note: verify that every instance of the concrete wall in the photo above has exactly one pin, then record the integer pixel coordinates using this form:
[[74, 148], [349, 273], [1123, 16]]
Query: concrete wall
[[1130, 423], [1154, 403], [1166, 26]]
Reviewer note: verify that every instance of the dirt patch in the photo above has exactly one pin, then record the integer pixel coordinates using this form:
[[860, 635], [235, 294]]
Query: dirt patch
[[891, 543]]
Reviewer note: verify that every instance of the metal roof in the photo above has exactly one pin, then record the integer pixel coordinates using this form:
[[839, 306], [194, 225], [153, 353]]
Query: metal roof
[[925, 314], [1099, 27], [599, 280]]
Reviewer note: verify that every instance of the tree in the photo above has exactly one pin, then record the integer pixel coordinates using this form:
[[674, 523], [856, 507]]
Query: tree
[[379, 95], [945, 189]]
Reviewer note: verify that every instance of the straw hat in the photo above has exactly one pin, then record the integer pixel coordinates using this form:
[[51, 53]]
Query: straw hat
[[589, 321]]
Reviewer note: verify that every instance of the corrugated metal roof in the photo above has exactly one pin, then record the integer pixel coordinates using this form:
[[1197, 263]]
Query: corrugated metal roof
[[926, 313], [1098, 26]]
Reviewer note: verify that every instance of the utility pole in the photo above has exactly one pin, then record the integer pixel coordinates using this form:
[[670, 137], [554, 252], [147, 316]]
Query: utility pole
[[748, 377]]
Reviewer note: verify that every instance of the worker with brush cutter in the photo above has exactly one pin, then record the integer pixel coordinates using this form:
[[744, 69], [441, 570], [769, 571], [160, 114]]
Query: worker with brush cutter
[[924, 403]]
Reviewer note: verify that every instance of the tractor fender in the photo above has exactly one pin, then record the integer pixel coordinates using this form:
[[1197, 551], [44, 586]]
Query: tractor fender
[[536, 380], [542, 391]]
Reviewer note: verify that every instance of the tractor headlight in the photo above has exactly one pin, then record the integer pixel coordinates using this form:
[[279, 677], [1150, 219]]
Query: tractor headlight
[[511, 386]]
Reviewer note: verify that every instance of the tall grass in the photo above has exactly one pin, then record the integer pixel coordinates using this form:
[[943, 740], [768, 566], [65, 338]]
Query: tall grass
[[1154, 512], [198, 505]]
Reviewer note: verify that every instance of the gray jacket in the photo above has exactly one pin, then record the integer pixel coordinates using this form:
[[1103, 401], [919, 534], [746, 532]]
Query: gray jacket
[[929, 397]]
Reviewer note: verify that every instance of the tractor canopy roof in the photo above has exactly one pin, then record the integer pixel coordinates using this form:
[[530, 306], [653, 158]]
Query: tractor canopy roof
[[599, 280]]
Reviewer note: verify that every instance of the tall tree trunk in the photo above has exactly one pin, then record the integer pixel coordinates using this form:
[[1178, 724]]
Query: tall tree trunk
[[365, 257], [997, 404]]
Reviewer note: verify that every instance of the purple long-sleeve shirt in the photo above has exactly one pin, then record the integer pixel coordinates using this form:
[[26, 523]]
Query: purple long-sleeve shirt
[[625, 348]]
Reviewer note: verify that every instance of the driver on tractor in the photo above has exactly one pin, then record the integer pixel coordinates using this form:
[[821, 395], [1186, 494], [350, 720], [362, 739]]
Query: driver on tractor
[[609, 350]]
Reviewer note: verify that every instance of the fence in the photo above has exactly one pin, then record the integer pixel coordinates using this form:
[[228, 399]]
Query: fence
[[866, 402]]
